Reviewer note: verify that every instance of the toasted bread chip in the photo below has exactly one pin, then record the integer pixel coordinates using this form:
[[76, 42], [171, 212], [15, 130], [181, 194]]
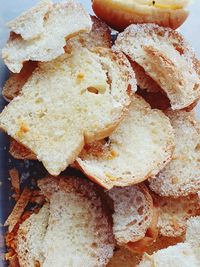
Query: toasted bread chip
[[181, 176], [174, 214], [18, 209], [141, 145], [55, 124], [19, 151], [15, 181], [39, 34], [181, 255], [166, 58], [52, 237], [133, 212]]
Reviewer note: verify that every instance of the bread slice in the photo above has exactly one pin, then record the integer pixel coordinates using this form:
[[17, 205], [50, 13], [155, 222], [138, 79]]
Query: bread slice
[[181, 176], [39, 34], [119, 14], [19, 151], [166, 58], [72, 229], [77, 98], [174, 213], [140, 146], [99, 36], [133, 211], [184, 254]]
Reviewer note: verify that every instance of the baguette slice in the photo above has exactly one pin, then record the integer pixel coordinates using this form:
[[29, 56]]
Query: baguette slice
[[140, 146], [39, 34], [181, 176], [184, 254], [166, 58], [119, 14], [73, 229], [133, 212], [79, 97], [174, 213], [99, 36]]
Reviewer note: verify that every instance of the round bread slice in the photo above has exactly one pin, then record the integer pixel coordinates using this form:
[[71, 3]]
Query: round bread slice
[[78, 98], [166, 58], [174, 213], [72, 229], [141, 145], [133, 212], [99, 36], [181, 176], [39, 34], [119, 14]]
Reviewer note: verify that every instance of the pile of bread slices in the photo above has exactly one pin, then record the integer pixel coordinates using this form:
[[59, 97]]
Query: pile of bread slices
[[123, 114]]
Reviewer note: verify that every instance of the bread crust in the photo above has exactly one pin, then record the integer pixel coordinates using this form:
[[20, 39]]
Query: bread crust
[[120, 15]]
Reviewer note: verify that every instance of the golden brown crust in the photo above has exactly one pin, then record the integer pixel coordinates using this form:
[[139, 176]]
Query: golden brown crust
[[16, 81], [118, 15], [19, 151]]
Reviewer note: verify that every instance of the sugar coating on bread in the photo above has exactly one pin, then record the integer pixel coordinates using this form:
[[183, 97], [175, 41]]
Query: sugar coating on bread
[[133, 211], [141, 145], [76, 231], [40, 34], [165, 57], [174, 213], [30, 237], [181, 176], [74, 99], [184, 254]]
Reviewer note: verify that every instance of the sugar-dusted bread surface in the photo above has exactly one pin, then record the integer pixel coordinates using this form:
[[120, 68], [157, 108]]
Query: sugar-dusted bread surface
[[133, 211], [166, 58], [181, 176], [174, 213], [119, 14], [140, 146], [79, 97], [40, 33], [184, 254], [73, 229]]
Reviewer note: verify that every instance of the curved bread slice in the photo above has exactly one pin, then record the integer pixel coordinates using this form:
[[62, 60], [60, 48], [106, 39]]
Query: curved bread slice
[[184, 254], [166, 58], [72, 230], [79, 97], [133, 212], [99, 36], [39, 34], [119, 14], [140, 146], [181, 176], [174, 213]]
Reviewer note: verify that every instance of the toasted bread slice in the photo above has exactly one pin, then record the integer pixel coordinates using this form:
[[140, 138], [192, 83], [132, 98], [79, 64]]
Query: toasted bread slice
[[82, 96], [166, 58], [174, 213], [39, 34], [72, 229], [99, 36], [19, 151], [133, 211], [140, 146], [181, 176], [119, 14], [181, 255]]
